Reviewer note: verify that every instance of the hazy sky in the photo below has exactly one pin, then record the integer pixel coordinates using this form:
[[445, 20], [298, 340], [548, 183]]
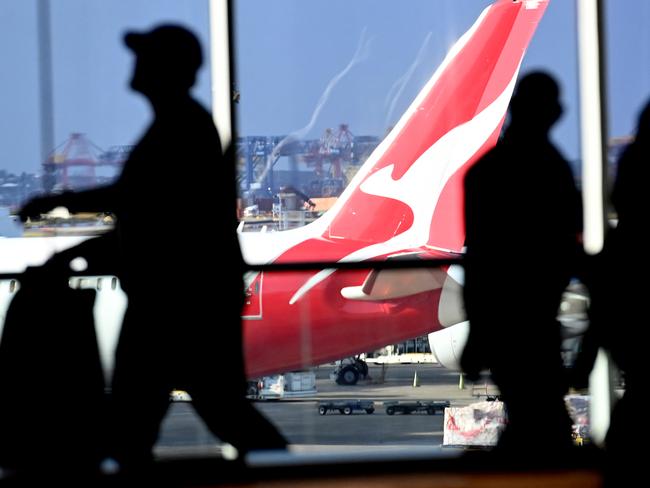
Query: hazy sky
[[287, 53]]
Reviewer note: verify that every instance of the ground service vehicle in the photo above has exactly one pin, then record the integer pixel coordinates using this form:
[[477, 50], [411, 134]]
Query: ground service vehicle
[[430, 407], [346, 407], [349, 371]]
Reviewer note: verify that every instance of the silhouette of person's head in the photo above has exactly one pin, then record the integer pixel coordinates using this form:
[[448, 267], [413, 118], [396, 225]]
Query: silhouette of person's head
[[535, 105], [167, 59]]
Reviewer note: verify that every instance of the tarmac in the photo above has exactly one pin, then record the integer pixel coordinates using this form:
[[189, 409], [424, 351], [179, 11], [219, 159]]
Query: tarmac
[[405, 382], [310, 434]]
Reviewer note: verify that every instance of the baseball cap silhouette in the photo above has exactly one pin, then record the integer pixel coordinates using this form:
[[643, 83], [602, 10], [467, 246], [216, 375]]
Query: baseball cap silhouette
[[167, 44]]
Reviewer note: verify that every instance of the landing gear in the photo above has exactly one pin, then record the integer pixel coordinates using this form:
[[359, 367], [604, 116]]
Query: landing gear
[[348, 375], [350, 371]]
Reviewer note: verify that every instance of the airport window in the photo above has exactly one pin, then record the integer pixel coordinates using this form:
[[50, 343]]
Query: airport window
[[319, 103], [341, 112]]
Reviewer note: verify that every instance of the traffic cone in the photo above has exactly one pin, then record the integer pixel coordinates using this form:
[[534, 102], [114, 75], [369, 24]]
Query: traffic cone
[[416, 381]]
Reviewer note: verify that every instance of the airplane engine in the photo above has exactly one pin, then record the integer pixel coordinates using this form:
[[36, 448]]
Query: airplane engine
[[447, 344]]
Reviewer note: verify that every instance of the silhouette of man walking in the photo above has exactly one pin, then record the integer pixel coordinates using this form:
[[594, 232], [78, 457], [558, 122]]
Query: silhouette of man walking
[[523, 221], [175, 237], [618, 311]]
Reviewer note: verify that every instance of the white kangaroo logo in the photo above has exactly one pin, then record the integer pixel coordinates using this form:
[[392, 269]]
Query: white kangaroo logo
[[436, 165]]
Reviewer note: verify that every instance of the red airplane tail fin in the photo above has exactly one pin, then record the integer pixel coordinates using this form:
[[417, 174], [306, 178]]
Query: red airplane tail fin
[[409, 191]]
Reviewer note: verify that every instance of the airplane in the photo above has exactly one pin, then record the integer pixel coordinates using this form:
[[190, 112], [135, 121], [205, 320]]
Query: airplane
[[405, 202]]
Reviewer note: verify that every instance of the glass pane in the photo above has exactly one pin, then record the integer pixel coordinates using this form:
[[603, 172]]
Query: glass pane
[[69, 118], [330, 170], [319, 86], [69, 121]]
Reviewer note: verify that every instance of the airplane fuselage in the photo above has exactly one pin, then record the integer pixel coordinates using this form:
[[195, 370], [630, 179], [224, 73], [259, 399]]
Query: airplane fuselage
[[289, 322]]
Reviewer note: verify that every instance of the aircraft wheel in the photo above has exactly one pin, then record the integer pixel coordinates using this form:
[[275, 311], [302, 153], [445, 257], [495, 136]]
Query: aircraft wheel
[[348, 376]]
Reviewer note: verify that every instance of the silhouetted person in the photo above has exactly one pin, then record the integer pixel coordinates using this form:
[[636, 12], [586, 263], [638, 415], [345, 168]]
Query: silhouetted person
[[523, 221], [618, 309], [178, 259]]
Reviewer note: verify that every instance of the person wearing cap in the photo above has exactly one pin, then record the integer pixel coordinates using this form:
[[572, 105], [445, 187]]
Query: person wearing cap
[[179, 332]]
